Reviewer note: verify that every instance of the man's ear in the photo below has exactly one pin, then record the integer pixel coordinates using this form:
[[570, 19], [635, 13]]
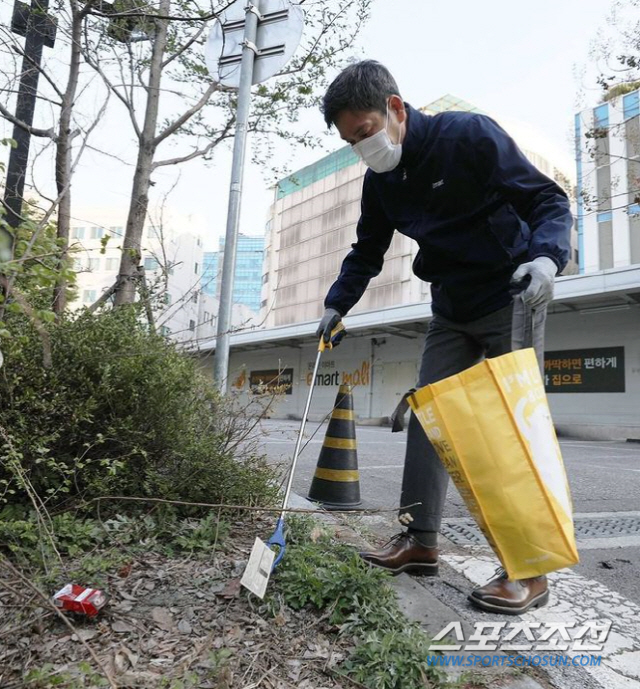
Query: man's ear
[[397, 105]]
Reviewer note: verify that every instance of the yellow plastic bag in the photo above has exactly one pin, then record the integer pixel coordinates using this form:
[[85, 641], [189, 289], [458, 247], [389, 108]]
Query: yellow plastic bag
[[492, 429]]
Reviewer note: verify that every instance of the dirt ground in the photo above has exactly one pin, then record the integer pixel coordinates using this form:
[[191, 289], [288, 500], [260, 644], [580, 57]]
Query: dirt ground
[[170, 622]]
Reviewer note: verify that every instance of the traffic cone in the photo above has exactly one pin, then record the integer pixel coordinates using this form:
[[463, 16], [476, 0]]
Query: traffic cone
[[336, 483]]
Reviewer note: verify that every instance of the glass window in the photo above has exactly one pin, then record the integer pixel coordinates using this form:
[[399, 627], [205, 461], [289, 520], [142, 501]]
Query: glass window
[[93, 264], [89, 296], [192, 325], [78, 232], [113, 263], [631, 104], [150, 263], [601, 116], [195, 269], [97, 232]]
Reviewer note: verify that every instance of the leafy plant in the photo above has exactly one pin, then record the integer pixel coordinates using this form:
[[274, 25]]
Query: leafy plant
[[50, 676], [201, 535], [324, 575], [390, 651], [394, 659], [97, 548]]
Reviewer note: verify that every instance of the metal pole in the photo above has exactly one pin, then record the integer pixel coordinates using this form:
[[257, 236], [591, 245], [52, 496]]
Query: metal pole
[[296, 452], [221, 362], [25, 108]]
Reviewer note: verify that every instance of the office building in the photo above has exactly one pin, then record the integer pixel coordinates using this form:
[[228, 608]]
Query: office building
[[173, 263], [248, 271], [607, 143], [210, 269]]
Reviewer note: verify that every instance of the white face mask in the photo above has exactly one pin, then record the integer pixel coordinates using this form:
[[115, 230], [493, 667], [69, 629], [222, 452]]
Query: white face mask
[[378, 152]]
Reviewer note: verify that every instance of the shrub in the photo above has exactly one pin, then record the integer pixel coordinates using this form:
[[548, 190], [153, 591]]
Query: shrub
[[120, 411]]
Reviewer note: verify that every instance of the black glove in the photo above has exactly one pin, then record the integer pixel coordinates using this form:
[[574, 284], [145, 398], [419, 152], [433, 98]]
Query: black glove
[[329, 321]]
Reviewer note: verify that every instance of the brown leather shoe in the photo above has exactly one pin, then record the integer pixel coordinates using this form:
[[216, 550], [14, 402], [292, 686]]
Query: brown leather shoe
[[404, 553], [511, 597]]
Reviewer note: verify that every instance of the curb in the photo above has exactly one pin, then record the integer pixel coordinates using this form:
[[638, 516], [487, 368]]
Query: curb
[[421, 604]]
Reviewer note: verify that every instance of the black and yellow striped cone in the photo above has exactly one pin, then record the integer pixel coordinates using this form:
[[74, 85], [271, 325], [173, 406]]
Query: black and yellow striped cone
[[336, 483]]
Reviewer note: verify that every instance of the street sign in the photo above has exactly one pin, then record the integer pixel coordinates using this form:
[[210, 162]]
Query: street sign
[[280, 26]]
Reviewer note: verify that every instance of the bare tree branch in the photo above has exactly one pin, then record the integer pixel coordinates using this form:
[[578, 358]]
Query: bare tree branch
[[198, 153], [185, 47], [34, 131], [186, 116], [127, 104], [18, 49], [146, 15]]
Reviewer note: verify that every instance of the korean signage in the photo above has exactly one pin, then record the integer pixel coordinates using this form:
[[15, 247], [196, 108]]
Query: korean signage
[[585, 370], [272, 381]]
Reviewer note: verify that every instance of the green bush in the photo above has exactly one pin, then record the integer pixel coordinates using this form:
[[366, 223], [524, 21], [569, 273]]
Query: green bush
[[120, 412]]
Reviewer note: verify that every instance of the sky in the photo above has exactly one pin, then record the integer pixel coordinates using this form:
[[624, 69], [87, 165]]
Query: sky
[[519, 62]]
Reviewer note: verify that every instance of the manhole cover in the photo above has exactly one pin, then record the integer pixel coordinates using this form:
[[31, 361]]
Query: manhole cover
[[466, 532]]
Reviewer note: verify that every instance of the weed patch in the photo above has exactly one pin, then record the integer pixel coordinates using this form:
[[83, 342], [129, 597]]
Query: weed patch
[[390, 651]]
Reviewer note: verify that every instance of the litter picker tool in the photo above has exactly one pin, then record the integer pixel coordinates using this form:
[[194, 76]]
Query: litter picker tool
[[264, 558]]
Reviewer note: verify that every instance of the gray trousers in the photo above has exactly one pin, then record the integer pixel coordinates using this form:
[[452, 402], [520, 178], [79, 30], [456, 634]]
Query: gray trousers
[[450, 348]]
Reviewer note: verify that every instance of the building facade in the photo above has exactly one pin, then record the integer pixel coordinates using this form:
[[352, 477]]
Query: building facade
[[209, 280], [607, 144], [247, 283], [173, 263]]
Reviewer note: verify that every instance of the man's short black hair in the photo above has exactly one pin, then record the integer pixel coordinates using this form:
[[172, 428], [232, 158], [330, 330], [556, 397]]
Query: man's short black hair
[[364, 85]]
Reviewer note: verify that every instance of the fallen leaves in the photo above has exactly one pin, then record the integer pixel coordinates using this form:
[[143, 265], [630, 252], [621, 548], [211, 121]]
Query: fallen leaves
[[172, 618], [163, 618], [231, 589]]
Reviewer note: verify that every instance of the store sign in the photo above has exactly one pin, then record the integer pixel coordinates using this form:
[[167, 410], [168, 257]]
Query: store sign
[[330, 375], [585, 370], [271, 381]]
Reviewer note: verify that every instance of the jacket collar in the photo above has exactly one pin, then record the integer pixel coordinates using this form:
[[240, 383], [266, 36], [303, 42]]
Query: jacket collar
[[418, 128]]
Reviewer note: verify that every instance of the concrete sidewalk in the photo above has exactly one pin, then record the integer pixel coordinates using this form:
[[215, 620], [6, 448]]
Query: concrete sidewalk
[[435, 602]]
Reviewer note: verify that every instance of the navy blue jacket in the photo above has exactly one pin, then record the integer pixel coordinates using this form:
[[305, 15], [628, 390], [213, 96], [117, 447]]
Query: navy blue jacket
[[473, 202]]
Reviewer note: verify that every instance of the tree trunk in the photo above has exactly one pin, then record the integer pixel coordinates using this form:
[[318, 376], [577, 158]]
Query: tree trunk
[[63, 156], [131, 249]]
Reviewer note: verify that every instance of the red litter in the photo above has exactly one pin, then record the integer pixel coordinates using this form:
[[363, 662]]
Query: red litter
[[86, 601]]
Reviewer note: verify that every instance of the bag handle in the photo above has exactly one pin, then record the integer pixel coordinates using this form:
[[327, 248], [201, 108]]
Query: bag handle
[[517, 288]]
